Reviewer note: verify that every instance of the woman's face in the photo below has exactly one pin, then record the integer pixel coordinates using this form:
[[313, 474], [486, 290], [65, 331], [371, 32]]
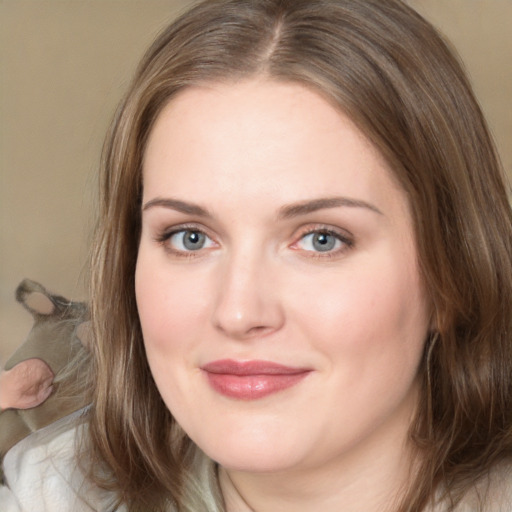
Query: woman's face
[[277, 279]]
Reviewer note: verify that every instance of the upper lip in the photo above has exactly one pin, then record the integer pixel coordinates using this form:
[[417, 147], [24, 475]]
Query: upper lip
[[253, 367]]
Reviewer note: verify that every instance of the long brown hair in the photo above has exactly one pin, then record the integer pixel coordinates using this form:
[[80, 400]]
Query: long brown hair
[[388, 69]]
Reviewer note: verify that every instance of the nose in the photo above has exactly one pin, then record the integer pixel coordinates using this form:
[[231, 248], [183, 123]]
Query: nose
[[247, 304]]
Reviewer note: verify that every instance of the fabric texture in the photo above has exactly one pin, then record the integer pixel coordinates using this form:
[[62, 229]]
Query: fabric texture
[[42, 475]]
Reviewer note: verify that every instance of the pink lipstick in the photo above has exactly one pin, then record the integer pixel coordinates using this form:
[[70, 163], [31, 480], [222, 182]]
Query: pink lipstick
[[250, 380]]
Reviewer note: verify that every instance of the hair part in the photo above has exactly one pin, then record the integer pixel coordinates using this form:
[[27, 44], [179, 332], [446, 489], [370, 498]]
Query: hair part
[[385, 67]]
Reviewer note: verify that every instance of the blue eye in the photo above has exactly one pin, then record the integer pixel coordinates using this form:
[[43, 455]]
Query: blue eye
[[188, 240], [320, 241]]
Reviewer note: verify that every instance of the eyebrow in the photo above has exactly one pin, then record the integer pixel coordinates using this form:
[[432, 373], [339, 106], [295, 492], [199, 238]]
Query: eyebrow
[[285, 212], [305, 207], [176, 204]]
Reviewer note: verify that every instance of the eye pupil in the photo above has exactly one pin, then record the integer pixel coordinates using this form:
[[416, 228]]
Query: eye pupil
[[323, 242], [193, 240]]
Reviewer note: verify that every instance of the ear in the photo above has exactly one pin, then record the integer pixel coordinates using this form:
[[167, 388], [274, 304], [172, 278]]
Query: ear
[[84, 334], [35, 298], [26, 385]]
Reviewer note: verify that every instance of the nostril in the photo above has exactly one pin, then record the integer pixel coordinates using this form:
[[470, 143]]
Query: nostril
[[259, 330], [244, 329]]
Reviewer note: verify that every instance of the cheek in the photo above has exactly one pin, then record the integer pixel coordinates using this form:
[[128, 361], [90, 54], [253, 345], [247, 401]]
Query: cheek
[[370, 326], [170, 305], [375, 310], [170, 308]]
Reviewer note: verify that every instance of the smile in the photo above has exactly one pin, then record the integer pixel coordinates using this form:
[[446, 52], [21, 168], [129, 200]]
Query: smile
[[251, 380]]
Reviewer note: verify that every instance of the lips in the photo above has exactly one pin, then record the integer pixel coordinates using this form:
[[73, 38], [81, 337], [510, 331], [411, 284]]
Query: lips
[[251, 380]]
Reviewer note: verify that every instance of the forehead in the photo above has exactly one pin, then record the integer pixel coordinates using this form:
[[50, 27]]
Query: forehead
[[261, 138]]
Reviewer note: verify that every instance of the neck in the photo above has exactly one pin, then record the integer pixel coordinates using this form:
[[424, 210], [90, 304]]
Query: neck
[[369, 478]]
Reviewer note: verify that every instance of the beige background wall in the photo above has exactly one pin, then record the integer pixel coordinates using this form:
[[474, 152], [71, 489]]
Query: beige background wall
[[65, 64]]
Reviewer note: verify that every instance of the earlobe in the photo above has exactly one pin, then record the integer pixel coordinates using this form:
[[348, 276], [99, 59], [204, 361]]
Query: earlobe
[[435, 322]]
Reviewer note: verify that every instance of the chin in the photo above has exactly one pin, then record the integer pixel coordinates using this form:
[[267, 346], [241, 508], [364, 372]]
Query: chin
[[256, 461], [252, 453]]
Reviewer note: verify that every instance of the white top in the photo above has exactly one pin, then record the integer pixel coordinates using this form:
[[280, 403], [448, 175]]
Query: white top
[[42, 475]]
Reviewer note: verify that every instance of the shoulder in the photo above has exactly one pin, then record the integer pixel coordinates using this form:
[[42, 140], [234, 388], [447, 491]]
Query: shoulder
[[493, 493], [496, 489], [41, 472]]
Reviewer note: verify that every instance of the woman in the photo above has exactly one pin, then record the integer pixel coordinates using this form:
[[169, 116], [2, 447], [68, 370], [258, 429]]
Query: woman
[[302, 278]]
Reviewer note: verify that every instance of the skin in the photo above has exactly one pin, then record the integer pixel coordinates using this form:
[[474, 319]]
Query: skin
[[26, 385], [251, 154]]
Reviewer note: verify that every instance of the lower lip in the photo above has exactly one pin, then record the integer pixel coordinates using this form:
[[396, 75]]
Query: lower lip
[[252, 387]]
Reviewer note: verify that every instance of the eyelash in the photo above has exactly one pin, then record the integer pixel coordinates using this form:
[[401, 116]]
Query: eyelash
[[164, 237], [346, 241]]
